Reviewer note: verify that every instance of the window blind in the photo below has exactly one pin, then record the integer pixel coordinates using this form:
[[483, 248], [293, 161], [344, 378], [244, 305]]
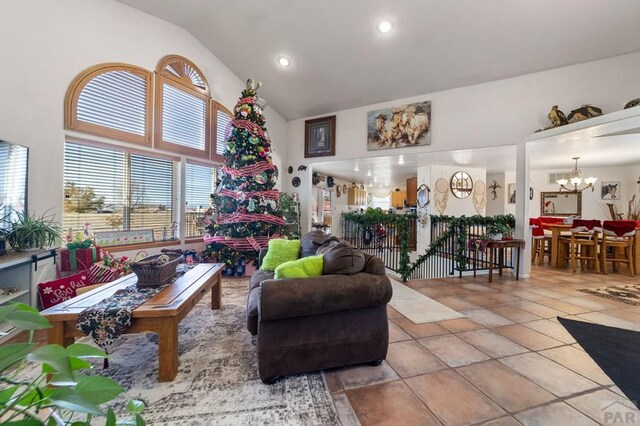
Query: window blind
[[183, 118], [223, 124], [114, 190], [115, 99], [13, 181], [200, 183]]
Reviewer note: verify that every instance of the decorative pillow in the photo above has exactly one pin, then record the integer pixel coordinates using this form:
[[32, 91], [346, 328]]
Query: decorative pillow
[[312, 241], [310, 266], [280, 251], [57, 291], [343, 259]]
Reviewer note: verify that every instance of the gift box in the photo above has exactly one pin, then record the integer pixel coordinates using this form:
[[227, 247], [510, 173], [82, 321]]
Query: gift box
[[79, 259], [103, 274]]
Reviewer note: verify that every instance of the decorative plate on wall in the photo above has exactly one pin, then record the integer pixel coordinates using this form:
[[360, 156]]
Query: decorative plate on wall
[[461, 184], [290, 169], [344, 188], [295, 182], [338, 191]]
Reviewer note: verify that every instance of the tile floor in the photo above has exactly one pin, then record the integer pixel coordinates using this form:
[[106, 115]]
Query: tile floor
[[509, 362]]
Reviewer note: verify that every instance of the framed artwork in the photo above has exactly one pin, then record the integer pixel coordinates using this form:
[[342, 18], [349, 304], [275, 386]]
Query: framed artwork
[[320, 137], [511, 193], [123, 238], [399, 127], [610, 190]]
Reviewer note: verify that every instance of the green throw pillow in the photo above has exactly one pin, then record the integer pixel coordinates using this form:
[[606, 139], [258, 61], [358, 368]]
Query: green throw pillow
[[280, 251], [305, 267]]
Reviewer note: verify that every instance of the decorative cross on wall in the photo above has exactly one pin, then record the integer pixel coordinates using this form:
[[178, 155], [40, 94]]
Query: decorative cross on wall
[[494, 189]]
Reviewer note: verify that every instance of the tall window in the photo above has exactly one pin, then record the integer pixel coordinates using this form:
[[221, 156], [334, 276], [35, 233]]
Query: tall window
[[182, 108], [116, 190], [111, 100], [200, 183], [222, 118]]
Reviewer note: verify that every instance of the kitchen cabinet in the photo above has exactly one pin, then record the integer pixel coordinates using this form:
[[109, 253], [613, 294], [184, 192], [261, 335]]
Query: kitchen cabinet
[[412, 191]]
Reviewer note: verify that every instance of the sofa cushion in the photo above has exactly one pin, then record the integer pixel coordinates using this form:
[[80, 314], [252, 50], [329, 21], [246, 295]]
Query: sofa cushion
[[280, 251], [305, 267], [343, 259], [259, 276], [312, 241]]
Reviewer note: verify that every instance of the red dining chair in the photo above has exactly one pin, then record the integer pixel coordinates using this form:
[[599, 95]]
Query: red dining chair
[[620, 236], [582, 244], [541, 242]]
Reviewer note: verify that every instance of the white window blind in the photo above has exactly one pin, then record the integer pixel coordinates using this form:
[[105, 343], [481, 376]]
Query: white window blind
[[115, 99], [223, 124], [200, 183], [183, 118], [115, 190], [13, 181]]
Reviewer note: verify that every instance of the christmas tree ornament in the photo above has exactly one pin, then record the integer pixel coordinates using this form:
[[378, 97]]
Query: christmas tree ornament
[[261, 178]]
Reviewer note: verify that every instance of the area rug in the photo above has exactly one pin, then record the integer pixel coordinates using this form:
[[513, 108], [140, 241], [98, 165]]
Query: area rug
[[615, 350], [417, 307], [629, 294], [217, 381]]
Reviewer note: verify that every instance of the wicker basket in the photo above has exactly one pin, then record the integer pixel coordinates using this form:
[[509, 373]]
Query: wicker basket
[[152, 275]]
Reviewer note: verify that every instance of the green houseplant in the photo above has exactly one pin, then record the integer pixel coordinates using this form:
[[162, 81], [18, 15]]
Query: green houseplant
[[63, 391], [29, 232], [498, 231]]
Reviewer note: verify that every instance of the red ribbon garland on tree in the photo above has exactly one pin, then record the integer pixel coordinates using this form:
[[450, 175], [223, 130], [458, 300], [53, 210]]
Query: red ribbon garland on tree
[[249, 169], [271, 194], [243, 218]]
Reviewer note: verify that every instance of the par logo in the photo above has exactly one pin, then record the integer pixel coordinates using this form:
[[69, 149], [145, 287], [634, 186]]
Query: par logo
[[619, 413]]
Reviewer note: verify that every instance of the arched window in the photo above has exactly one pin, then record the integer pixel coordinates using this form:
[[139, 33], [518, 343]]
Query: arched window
[[112, 100], [182, 108], [222, 123]]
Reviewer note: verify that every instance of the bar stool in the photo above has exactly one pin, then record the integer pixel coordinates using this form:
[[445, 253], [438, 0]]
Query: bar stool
[[583, 243], [540, 241], [618, 234]]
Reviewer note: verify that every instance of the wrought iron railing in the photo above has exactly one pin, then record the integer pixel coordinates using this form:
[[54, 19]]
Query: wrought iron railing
[[392, 238]]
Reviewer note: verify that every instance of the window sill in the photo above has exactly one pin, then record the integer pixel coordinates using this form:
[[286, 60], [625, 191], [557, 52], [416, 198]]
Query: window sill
[[193, 240], [117, 249]]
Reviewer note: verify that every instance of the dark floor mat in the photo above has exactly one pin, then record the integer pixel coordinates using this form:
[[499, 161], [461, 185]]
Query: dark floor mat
[[615, 350]]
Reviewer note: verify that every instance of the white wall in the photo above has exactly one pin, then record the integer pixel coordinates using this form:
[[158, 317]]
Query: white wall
[[502, 112], [45, 45], [593, 207], [496, 207]]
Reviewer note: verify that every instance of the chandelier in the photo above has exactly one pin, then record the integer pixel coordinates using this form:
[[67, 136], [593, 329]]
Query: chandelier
[[575, 178]]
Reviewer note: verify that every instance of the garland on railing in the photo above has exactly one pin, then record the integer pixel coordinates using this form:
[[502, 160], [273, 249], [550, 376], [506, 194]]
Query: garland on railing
[[458, 229]]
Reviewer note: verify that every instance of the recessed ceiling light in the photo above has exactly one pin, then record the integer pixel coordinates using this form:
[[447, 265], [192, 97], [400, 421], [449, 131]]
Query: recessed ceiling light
[[283, 61], [356, 168], [401, 160], [384, 27], [368, 172]]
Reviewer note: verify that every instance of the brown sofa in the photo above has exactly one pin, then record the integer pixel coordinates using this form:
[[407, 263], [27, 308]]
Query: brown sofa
[[321, 322]]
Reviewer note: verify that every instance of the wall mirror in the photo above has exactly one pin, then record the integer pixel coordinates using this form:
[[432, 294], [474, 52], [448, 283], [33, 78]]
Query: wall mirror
[[461, 184], [561, 203]]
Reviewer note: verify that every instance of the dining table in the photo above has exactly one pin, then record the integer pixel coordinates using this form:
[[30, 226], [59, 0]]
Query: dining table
[[558, 228]]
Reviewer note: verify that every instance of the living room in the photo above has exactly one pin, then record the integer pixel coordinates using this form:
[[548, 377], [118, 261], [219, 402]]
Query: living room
[[484, 75]]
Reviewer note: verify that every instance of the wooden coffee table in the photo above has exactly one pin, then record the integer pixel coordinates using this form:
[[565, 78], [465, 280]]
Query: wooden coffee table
[[161, 314]]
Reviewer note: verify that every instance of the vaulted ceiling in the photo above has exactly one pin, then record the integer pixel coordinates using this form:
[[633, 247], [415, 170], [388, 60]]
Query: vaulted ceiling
[[339, 60]]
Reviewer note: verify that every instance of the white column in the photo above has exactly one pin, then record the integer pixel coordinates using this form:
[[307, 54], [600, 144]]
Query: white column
[[522, 230]]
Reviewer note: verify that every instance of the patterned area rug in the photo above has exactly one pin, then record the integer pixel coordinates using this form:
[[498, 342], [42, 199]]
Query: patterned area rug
[[628, 294], [217, 381]]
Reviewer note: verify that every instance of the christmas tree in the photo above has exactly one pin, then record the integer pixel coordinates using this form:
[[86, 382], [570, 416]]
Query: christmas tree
[[245, 211]]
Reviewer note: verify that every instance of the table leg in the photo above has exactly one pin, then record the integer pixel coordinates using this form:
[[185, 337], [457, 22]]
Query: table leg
[[500, 260], [216, 293], [518, 265], [490, 264], [168, 350], [55, 335], [554, 246]]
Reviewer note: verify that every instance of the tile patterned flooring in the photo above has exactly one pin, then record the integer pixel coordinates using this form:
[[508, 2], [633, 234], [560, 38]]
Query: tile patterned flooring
[[509, 362]]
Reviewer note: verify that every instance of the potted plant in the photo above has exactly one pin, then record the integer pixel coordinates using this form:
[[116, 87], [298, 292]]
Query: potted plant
[[497, 231], [31, 233], [64, 385]]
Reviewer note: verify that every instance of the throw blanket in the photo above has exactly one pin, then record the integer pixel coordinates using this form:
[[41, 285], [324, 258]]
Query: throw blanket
[[585, 224], [109, 319]]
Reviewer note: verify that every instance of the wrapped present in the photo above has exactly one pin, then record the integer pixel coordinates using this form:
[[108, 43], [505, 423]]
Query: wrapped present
[[79, 259], [99, 273]]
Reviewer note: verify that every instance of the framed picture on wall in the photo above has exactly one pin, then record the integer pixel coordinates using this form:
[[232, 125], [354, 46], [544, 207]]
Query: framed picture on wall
[[610, 190], [511, 193], [320, 137]]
